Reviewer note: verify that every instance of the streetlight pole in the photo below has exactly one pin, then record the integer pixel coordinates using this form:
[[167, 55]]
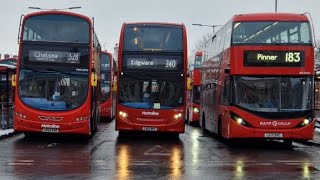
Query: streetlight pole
[[276, 5], [69, 8], [213, 26]]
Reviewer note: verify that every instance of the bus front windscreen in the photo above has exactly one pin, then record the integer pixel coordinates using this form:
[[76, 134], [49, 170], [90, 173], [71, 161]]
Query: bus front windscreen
[[274, 94], [52, 89], [154, 90], [56, 28], [105, 77], [272, 32], [197, 62], [153, 38]]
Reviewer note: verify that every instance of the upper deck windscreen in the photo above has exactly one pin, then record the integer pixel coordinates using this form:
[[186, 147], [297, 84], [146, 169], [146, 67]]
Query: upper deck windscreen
[[197, 62], [56, 28], [272, 32], [153, 38]]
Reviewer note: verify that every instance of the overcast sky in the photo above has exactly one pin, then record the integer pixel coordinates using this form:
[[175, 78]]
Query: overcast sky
[[110, 14]]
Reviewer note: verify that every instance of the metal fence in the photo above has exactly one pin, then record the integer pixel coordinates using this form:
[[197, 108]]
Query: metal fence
[[6, 115]]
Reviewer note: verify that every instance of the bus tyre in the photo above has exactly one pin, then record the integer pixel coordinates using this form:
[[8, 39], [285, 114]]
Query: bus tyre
[[219, 128], [29, 135], [288, 142], [187, 118]]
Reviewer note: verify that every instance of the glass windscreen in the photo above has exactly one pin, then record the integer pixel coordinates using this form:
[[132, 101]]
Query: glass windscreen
[[105, 77], [152, 38], [271, 32], [151, 90], [48, 89], [274, 94], [56, 28], [196, 94]]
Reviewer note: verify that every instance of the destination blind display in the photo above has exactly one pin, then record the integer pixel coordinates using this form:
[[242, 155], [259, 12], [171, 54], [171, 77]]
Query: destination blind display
[[54, 56], [159, 63], [274, 58]]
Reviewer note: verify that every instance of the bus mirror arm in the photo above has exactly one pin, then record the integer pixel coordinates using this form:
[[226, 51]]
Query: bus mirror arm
[[114, 86], [94, 79], [189, 83], [13, 80]]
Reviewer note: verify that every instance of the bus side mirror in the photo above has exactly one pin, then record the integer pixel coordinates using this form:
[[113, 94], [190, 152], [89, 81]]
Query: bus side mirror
[[189, 83], [94, 79], [114, 86], [13, 80]]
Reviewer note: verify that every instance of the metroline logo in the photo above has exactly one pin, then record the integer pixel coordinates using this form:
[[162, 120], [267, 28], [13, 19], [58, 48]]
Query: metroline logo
[[275, 123], [151, 113], [50, 126]]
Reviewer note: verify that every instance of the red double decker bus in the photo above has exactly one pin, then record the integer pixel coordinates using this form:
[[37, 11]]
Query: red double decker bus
[[257, 78], [107, 98], [193, 102], [152, 78], [57, 74]]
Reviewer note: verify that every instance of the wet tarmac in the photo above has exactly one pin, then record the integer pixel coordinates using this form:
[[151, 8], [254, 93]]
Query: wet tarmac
[[154, 156]]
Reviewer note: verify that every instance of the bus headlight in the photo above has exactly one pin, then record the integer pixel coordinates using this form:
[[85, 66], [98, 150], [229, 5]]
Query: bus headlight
[[239, 119], [179, 115], [123, 114], [20, 115], [306, 121], [196, 110]]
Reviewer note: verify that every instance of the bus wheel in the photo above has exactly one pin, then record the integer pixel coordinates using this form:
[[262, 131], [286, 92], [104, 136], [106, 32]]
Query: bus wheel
[[123, 134], [203, 125], [219, 128], [187, 118], [30, 135], [288, 142]]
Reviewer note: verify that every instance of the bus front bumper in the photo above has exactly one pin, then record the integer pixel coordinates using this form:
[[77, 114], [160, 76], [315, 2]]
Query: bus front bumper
[[238, 131], [170, 127], [24, 125]]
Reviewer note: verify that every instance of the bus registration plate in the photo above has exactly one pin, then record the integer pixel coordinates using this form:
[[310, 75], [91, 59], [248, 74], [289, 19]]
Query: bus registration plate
[[273, 135], [50, 130], [149, 129]]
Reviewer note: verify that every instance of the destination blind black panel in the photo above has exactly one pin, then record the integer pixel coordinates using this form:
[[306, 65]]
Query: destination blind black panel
[[274, 58], [46, 55], [136, 62]]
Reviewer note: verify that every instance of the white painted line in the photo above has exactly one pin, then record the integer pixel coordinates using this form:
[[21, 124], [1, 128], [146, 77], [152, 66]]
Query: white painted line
[[20, 164], [157, 150]]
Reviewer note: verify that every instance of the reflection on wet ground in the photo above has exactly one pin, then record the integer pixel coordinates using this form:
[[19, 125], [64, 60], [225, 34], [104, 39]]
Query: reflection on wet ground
[[154, 156]]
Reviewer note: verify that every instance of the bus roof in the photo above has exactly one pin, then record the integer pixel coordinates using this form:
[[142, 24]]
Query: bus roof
[[270, 17], [153, 23], [8, 59], [58, 12], [199, 53]]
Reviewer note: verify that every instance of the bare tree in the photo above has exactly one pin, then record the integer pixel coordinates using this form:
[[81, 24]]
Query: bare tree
[[201, 43]]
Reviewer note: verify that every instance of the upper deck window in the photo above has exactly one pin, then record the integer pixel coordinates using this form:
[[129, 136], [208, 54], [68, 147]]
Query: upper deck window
[[271, 32], [56, 28], [153, 38]]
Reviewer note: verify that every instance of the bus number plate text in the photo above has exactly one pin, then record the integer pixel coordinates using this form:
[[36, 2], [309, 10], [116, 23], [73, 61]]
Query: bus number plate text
[[50, 130], [273, 135], [149, 129]]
